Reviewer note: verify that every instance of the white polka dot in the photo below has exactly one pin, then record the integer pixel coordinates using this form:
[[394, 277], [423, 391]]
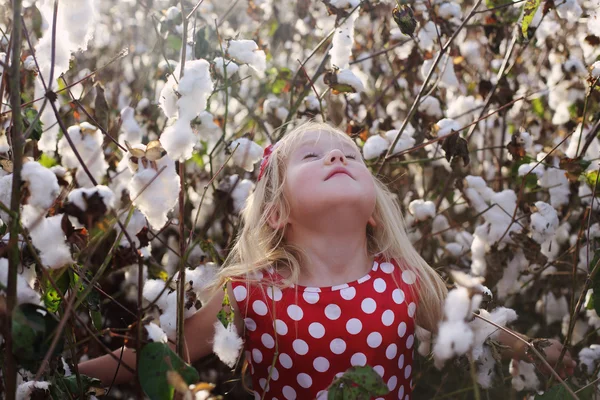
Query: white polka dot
[[398, 296], [364, 279], [379, 285], [348, 293], [316, 330], [353, 326], [401, 329], [387, 267], [285, 361], [391, 351], [259, 307], [289, 393], [401, 361], [410, 341], [240, 293], [358, 359], [337, 346], [257, 355], [387, 318], [263, 382], [321, 364], [379, 369], [250, 324], [256, 275], [401, 393], [311, 298], [295, 312], [333, 311], [407, 397], [280, 327], [322, 395], [304, 380], [300, 346], [412, 307], [267, 341], [273, 372], [392, 383], [409, 277], [374, 339], [339, 287], [407, 371], [274, 293], [375, 266], [256, 395], [368, 305]]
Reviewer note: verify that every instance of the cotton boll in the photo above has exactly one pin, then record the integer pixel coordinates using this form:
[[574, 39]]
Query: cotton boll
[[25, 294], [532, 167], [155, 194], [449, 11], [553, 308], [431, 106], [179, 140], [200, 278], [556, 182], [424, 338], [221, 64], [87, 139], [151, 291], [26, 389], [341, 44], [79, 197], [543, 222], [485, 368], [569, 10], [459, 305], [440, 224], [168, 98], [509, 284], [406, 140], [579, 330], [132, 132], [155, 333], [246, 154], [446, 126], [227, 343], [595, 70], [523, 376], [41, 183], [247, 52], [347, 77], [454, 338], [374, 147], [137, 222], [194, 88], [241, 192], [588, 356], [421, 209]]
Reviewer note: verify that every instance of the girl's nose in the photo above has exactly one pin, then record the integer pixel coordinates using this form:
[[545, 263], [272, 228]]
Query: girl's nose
[[335, 155]]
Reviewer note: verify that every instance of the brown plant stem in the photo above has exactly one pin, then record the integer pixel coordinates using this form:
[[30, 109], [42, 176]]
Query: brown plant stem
[[14, 256]]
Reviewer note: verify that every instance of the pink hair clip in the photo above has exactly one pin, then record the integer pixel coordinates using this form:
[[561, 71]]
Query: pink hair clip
[[266, 155]]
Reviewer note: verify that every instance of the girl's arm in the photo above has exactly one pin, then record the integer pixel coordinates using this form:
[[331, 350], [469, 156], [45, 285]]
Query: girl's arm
[[198, 335]]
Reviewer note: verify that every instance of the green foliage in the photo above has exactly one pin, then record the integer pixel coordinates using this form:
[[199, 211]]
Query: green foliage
[[538, 107], [529, 10], [29, 116], [66, 387], [47, 161], [155, 360], [357, 383], [33, 329], [52, 298], [278, 79]]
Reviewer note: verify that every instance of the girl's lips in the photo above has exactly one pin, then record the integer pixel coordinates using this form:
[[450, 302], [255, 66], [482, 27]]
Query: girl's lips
[[338, 170]]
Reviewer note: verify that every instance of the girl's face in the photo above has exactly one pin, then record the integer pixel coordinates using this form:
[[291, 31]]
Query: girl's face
[[326, 174]]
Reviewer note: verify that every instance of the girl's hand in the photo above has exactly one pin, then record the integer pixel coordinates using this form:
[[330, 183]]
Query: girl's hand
[[551, 349]]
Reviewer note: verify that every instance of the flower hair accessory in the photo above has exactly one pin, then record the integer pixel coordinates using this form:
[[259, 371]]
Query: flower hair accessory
[[266, 155]]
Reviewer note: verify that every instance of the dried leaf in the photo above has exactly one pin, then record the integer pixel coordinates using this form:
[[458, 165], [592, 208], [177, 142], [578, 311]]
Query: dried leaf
[[456, 146]]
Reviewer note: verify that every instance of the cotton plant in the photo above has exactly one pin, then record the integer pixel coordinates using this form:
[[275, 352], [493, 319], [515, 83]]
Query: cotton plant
[[182, 99], [26, 390], [247, 52], [246, 153], [87, 140], [462, 334], [225, 67], [25, 293], [377, 145], [422, 210], [130, 128]]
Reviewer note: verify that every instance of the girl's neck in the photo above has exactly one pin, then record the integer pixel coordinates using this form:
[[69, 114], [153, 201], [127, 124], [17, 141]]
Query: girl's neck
[[331, 257]]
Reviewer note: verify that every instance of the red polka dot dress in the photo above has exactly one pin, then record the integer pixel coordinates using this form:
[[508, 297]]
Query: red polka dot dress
[[298, 339]]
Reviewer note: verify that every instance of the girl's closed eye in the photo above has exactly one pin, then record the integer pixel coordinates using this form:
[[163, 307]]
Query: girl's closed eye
[[309, 155]]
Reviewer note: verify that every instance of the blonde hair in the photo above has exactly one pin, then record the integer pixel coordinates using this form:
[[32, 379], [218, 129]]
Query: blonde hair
[[258, 246]]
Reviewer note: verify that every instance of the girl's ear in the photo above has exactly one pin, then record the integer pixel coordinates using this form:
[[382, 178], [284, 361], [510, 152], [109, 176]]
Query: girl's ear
[[372, 221], [275, 221]]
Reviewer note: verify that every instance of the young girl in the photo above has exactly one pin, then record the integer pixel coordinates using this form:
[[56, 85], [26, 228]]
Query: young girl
[[322, 277]]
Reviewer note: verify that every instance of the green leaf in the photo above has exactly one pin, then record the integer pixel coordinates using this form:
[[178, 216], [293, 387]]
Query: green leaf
[[47, 161], [591, 178], [155, 360], [52, 298], [538, 107], [368, 379], [29, 116], [202, 47], [174, 42], [529, 10], [33, 329]]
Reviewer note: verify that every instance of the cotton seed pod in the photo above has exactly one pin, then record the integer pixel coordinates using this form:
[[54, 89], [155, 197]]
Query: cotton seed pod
[[153, 152], [405, 18]]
